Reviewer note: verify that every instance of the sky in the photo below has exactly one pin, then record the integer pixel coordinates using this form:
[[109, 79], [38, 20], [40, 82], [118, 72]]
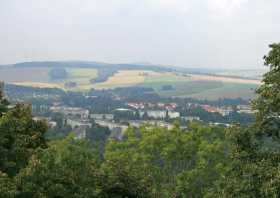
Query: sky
[[229, 34]]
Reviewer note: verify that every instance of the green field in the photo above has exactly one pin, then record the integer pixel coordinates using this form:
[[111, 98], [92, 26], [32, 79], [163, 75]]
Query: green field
[[211, 90], [82, 77], [228, 90], [182, 88]]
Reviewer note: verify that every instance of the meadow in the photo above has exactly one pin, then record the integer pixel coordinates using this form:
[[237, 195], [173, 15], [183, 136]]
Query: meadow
[[228, 90]]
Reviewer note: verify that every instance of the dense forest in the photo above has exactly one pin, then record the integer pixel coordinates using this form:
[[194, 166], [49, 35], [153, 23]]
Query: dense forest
[[202, 161]]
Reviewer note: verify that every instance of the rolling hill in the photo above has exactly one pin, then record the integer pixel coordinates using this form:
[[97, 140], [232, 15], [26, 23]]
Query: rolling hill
[[85, 75]]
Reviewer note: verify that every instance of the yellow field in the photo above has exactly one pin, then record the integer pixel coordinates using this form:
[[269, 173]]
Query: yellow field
[[38, 84], [224, 79], [125, 78], [190, 85]]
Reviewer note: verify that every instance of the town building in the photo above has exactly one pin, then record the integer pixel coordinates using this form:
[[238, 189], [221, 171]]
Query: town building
[[71, 111], [190, 118], [77, 123], [157, 114], [102, 116], [173, 114]]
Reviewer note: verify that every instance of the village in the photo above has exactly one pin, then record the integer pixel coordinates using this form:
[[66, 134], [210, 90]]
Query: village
[[117, 118], [135, 115]]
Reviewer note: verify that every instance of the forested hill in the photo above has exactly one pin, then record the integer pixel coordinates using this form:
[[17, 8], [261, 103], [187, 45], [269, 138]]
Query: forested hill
[[92, 64], [126, 66]]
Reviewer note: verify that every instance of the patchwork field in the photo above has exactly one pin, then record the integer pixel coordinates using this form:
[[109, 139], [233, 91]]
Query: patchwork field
[[127, 78], [82, 77], [225, 79], [20, 75], [167, 84], [197, 86], [39, 77]]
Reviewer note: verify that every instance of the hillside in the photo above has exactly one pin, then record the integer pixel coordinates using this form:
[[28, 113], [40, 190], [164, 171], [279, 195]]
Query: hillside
[[85, 75]]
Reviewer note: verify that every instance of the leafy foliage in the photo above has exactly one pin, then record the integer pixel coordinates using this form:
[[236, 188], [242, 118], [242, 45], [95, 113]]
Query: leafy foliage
[[171, 162], [66, 169], [256, 149], [20, 136]]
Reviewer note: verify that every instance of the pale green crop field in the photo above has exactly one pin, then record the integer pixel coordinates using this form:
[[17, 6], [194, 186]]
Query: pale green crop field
[[228, 90], [182, 86], [185, 86], [82, 77], [82, 73]]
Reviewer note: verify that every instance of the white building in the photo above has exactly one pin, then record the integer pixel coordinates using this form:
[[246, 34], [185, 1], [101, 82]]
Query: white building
[[173, 114], [190, 118], [77, 123], [116, 129], [224, 112], [159, 114], [102, 116], [156, 114], [72, 111], [52, 124]]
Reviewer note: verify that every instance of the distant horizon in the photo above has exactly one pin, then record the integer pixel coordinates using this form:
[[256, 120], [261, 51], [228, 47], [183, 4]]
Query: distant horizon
[[142, 63]]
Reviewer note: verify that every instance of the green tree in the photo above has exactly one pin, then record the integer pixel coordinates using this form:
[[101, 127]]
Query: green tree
[[3, 102], [67, 168], [256, 149], [70, 168], [268, 102], [98, 136], [171, 162], [7, 186], [20, 136]]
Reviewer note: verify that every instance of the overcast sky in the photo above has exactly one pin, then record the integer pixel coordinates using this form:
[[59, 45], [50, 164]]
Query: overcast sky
[[191, 33]]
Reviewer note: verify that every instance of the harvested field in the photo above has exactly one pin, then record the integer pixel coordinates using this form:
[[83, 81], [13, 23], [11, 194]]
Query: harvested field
[[38, 84], [125, 78], [224, 79]]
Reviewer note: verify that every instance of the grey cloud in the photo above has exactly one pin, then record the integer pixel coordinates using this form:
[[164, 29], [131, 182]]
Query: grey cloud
[[204, 33]]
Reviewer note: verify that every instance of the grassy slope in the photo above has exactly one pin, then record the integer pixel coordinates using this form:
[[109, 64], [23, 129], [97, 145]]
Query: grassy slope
[[182, 86], [228, 90]]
